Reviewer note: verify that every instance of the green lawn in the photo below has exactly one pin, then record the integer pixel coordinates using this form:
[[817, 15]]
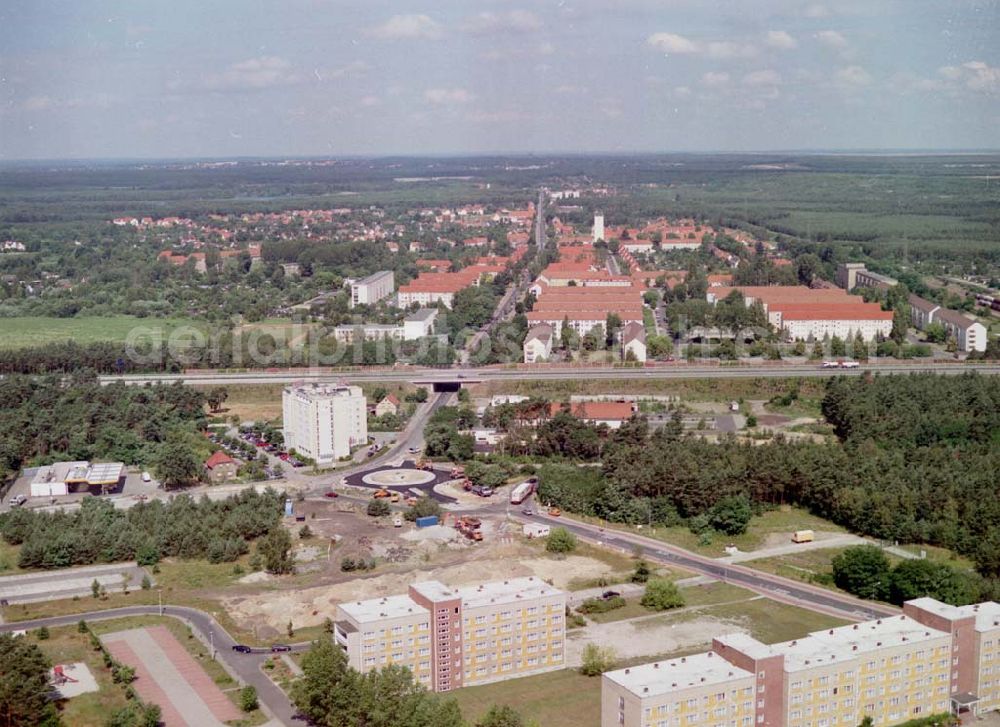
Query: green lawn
[[782, 521], [40, 330], [694, 596]]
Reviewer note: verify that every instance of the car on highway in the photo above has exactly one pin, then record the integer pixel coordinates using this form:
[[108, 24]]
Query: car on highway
[[527, 511], [413, 450], [242, 648], [275, 648]]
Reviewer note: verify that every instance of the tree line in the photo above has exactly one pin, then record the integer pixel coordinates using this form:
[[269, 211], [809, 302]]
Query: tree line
[[183, 527], [916, 460]]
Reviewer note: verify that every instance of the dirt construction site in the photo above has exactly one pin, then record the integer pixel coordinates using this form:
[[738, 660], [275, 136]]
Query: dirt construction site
[[403, 555]]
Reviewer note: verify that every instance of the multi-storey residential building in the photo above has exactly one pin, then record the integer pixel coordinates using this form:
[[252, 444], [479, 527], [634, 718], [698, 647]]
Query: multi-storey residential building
[[323, 421], [372, 289], [969, 334], [538, 343], [454, 637], [932, 659], [856, 275]]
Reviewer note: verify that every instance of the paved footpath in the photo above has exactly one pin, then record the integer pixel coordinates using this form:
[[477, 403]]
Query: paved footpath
[[167, 675]]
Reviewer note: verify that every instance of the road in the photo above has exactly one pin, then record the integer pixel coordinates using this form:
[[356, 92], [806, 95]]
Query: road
[[540, 221], [245, 667], [776, 587], [678, 370]]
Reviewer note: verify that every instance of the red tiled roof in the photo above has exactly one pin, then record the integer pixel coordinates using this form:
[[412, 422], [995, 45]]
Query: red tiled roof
[[218, 457], [596, 410], [834, 312]]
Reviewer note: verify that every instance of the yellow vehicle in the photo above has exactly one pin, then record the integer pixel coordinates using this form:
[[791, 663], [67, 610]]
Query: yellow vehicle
[[394, 497], [555, 512], [803, 536], [379, 494]]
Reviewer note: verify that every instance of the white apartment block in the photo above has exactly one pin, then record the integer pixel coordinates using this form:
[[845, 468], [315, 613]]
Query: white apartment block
[[372, 289], [969, 334], [454, 637], [598, 231], [419, 324], [324, 421], [425, 298], [932, 659]]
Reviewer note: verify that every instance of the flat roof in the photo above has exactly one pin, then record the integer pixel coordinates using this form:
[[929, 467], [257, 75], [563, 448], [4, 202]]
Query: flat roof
[[663, 677], [105, 473], [378, 609], [368, 279], [486, 594], [422, 315], [987, 613], [848, 642]]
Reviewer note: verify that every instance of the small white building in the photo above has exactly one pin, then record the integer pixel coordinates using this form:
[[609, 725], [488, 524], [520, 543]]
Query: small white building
[[969, 334], [389, 405], [634, 342], [419, 324], [372, 289], [538, 343]]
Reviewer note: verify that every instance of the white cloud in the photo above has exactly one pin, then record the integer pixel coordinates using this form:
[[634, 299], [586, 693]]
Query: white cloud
[[832, 39], [816, 10], [720, 49], [407, 27], [852, 76], [511, 21], [354, 68], [981, 77], [713, 78], [38, 103], [447, 96], [250, 75], [765, 77], [781, 40], [672, 43]]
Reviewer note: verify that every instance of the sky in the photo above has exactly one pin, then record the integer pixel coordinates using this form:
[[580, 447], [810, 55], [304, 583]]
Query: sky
[[225, 78]]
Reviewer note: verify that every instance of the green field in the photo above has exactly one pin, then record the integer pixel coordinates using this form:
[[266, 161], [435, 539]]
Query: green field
[[39, 330]]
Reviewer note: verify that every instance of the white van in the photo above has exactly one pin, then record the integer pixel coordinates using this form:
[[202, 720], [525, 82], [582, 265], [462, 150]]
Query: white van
[[146, 477]]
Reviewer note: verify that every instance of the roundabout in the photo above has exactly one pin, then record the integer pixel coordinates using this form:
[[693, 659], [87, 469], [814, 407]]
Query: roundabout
[[398, 477], [402, 479]]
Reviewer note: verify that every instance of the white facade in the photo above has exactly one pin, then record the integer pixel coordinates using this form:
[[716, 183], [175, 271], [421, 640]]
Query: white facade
[[323, 421], [348, 333], [803, 330], [373, 288], [538, 344], [420, 324], [425, 298], [634, 342], [598, 227]]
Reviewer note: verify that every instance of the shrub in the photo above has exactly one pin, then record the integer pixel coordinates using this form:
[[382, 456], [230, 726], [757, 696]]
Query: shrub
[[596, 660], [601, 605], [43, 633], [642, 572], [661, 595], [248, 698], [560, 540], [378, 508]]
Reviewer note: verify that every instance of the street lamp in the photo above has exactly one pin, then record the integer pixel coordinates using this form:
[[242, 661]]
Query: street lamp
[[159, 596]]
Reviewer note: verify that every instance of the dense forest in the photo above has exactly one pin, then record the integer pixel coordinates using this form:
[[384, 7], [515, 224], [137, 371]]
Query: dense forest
[[917, 460], [183, 527], [49, 419]]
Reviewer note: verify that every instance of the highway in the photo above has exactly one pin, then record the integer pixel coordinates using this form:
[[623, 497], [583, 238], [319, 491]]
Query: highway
[[780, 589], [678, 370], [245, 667]]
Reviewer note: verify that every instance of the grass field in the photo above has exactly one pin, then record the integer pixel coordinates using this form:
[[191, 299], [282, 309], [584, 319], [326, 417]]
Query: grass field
[[38, 330], [773, 522], [707, 389], [262, 402]]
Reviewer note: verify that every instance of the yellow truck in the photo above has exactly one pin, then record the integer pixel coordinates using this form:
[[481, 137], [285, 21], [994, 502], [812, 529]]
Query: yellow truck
[[803, 536]]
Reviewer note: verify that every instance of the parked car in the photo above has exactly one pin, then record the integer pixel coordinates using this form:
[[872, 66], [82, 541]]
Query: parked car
[[331, 493], [527, 511], [18, 500], [608, 595], [275, 648], [242, 648]]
